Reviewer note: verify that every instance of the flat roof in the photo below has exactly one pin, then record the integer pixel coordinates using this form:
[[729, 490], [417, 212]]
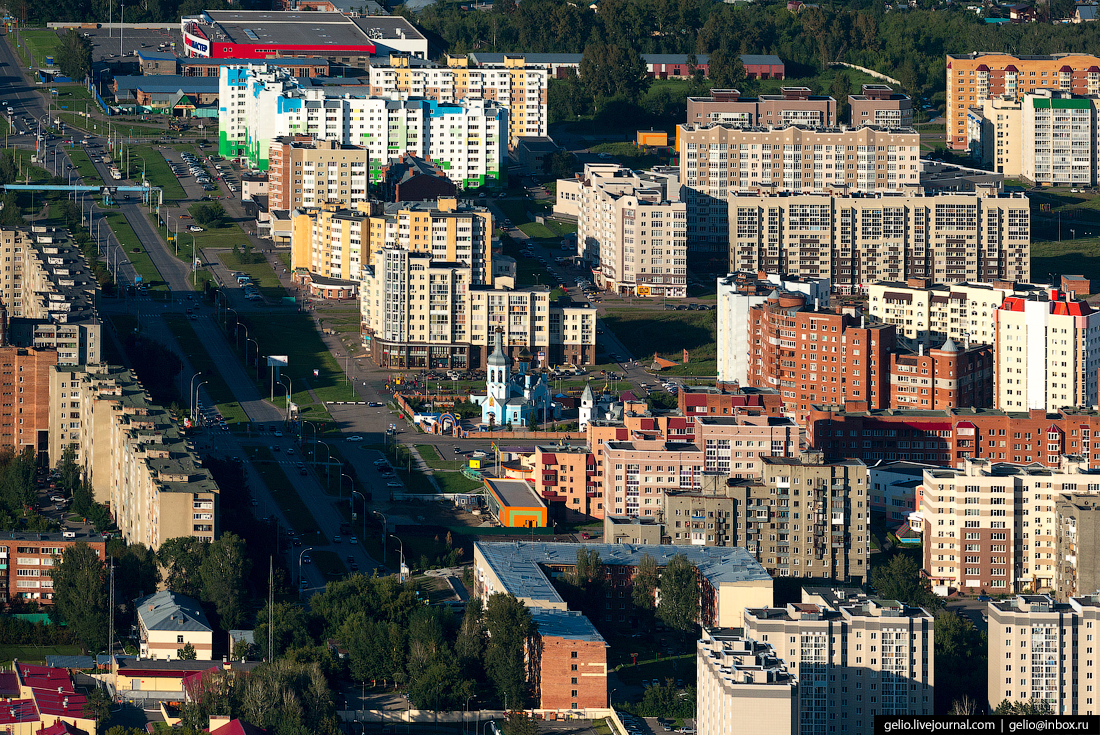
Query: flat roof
[[514, 493], [387, 28], [518, 564], [569, 624], [309, 29]]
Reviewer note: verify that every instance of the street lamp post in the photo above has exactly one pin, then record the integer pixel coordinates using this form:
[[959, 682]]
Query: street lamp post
[[308, 548], [289, 394], [236, 321], [191, 395], [327, 461], [247, 340], [384, 522], [340, 489], [196, 401], [364, 499], [609, 697], [402, 549]]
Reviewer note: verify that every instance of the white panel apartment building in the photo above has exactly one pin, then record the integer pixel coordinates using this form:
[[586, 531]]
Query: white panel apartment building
[[1058, 132], [930, 314], [854, 656], [1047, 354], [632, 227], [1045, 650], [857, 239], [718, 160], [974, 538], [260, 103], [743, 686]]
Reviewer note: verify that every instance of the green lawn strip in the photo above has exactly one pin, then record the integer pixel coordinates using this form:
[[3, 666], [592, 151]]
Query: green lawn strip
[[329, 562], [456, 482], [200, 360], [294, 508], [40, 44], [84, 166], [284, 258], [431, 457], [537, 231], [34, 654], [342, 320], [628, 154], [261, 273], [156, 171], [125, 324], [140, 259], [293, 334], [333, 483], [695, 331]]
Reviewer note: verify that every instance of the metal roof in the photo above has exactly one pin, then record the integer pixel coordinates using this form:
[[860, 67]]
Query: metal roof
[[569, 624], [167, 610], [517, 563], [169, 83], [71, 662]]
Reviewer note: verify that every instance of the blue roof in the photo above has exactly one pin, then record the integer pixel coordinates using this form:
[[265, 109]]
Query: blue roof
[[156, 55], [70, 662], [168, 83], [569, 624], [1086, 12]]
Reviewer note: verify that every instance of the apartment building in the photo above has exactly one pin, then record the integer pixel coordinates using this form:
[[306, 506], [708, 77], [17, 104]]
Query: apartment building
[[881, 106], [1030, 636], [425, 312], [994, 134], [1048, 352], [1058, 139], [812, 354], [568, 661], [49, 283], [743, 685], [893, 489], [518, 87], [1077, 544], [854, 657], [632, 228], [261, 104], [792, 106], [339, 243], [25, 397], [951, 436], [565, 477], [945, 377], [970, 540], [857, 239], [27, 560], [737, 294], [978, 76], [167, 621], [788, 159], [304, 172], [634, 485], [928, 314], [135, 457]]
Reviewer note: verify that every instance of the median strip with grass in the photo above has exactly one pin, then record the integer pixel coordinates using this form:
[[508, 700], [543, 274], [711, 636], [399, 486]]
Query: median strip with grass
[[294, 334], [288, 499], [145, 159], [259, 271], [330, 564], [200, 360], [85, 167]]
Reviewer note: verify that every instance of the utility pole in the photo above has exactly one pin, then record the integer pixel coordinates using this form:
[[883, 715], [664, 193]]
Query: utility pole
[[270, 608], [111, 624]]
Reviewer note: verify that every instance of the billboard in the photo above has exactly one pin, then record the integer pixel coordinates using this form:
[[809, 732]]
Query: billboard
[[277, 360]]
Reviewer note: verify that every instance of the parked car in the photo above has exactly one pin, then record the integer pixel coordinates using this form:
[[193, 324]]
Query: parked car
[[195, 228]]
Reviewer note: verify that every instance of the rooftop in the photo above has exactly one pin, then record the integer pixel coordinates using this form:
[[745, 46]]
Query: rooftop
[[167, 610], [167, 83], [569, 624], [306, 29], [513, 493], [519, 564]]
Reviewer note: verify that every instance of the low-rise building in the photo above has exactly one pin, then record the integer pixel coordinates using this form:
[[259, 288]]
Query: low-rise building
[[881, 106], [568, 660], [743, 685], [515, 504], [41, 700], [27, 560], [133, 453], [412, 179], [855, 656], [168, 621]]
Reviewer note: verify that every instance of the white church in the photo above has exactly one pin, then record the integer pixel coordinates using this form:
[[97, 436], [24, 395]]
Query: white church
[[513, 398]]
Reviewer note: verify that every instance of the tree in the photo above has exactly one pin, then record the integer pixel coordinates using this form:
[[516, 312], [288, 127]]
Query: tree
[[900, 579], [73, 55], [726, 70], [223, 573], [1030, 707], [470, 642], [584, 586], [97, 706], [961, 660], [679, 605], [80, 597], [10, 214], [611, 71], [210, 214], [520, 723], [509, 626], [68, 469], [291, 625], [840, 89], [137, 573], [559, 164], [242, 650], [644, 592], [187, 653], [181, 559]]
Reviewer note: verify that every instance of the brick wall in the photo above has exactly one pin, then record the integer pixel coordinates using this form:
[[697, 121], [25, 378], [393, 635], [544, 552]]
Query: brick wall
[[568, 682]]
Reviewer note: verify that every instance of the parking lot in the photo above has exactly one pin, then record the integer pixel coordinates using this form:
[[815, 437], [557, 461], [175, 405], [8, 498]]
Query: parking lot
[[107, 44]]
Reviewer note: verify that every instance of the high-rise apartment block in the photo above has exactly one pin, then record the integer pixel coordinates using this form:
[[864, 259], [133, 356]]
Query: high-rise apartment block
[[973, 536], [50, 284], [975, 77], [339, 243], [1048, 352], [261, 104], [928, 314], [994, 134], [1058, 139], [1041, 649], [743, 685], [1077, 546], [881, 106], [721, 160], [792, 106], [632, 228], [304, 172], [134, 454], [854, 657], [857, 239], [518, 87], [426, 312], [739, 292]]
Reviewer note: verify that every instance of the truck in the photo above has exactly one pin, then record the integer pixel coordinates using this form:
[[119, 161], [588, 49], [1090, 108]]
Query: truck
[[115, 173]]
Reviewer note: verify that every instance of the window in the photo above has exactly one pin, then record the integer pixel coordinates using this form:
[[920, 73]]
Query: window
[[179, 639], [573, 654]]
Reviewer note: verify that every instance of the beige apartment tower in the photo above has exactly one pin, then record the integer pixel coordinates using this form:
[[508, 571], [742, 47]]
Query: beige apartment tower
[[743, 686]]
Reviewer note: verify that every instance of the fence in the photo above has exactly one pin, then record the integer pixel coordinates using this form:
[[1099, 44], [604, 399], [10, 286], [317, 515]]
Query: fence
[[99, 100], [865, 70]]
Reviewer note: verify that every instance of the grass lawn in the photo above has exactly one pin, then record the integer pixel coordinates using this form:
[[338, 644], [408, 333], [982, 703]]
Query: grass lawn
[[293, 334], [629, 154], [1069, 256], [156, 170], [35, 654], [695, 331], [261, 273], [201, 361], [40, 44], [296, 511], [330, 564], [85, 166], [342, 320], [431, 458], [140, 259]]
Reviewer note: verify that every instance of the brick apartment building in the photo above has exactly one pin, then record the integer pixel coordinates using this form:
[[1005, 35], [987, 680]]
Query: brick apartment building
[[568, 661], [565, 476], [879, 105], [950, 436], [793, 105], [946, 377], [26, 561]]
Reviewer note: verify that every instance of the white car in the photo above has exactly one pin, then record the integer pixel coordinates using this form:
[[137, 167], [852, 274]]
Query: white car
[[195, 228], [355, 438]]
